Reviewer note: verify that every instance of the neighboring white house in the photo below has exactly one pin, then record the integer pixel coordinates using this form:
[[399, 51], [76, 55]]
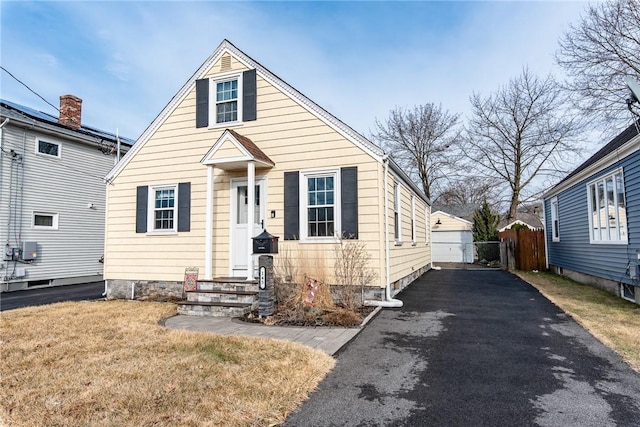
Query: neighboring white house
[[451, 238], [53, 195]]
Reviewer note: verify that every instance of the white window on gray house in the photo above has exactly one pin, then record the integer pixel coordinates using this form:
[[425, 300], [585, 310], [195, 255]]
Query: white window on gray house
[[227, 101], [555, 220], [48, 147], [628, 292], [607, 209], [45, 221], [321, 204], [163, 209]]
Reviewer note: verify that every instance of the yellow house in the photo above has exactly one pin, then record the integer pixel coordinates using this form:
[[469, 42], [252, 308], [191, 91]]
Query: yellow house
[[236, 146]]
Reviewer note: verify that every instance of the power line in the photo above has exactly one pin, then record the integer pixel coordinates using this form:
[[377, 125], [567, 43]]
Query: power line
[[27, 86]]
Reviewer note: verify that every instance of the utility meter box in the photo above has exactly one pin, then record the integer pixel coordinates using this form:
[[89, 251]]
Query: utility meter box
[[29, 251], [265, 243]]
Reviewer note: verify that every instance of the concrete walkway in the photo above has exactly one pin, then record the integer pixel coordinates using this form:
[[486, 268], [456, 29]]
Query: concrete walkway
[[327, 339]]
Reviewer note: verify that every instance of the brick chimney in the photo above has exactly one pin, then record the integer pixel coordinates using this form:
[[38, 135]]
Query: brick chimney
[[70, 111]]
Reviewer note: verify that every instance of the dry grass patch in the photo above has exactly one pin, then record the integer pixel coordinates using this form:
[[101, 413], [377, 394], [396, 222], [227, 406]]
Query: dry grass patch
[[611, 319], [111, 364]]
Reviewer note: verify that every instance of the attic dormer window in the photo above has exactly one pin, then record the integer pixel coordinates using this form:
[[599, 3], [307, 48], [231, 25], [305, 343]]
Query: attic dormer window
[[227, 101]]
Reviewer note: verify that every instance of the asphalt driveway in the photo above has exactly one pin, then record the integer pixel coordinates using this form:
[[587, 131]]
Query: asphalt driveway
[[474, 348], [40, 296]]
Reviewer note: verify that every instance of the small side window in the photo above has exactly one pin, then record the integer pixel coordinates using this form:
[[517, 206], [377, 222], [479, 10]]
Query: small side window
[[48, 148], [555, 220], [45, 221]]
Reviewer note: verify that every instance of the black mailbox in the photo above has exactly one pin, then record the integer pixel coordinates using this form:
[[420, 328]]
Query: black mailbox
[[265, 243]]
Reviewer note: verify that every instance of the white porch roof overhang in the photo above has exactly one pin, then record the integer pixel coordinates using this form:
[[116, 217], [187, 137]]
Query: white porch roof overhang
[[233, 151]]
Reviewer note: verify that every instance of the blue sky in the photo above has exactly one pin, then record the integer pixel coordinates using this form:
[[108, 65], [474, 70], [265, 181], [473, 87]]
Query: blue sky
[[358, 59]]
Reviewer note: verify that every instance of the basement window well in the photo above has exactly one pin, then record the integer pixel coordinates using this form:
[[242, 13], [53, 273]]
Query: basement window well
[[628, 292]]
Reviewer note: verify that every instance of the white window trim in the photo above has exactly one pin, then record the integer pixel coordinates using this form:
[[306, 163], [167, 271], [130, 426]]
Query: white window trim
[[414, 239], [303, 215], [50, 141], [213, 81], [623, 296], [151, 198], [427, 225], [397, 208], [621, 241], [43, 227], [555, 216]]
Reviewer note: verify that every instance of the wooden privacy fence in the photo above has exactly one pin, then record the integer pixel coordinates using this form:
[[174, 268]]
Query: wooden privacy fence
[[522, 250]]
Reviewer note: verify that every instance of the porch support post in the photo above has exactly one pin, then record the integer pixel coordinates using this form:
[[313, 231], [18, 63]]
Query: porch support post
[[208, 234], [251, 196]]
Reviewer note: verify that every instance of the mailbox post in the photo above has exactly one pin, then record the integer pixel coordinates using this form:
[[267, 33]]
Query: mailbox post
[[264, 244]]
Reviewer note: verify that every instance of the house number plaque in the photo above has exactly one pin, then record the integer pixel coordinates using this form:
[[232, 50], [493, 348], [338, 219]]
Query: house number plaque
[[263, 277]]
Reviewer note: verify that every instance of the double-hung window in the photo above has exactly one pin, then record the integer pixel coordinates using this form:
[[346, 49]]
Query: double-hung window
[[413, 220], [227, 100], [555, 220], [397, 218], [163, 208], [607, 209], [320, 200]]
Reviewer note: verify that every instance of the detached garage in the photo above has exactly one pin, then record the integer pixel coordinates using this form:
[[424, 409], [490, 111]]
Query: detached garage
[[451, 238]]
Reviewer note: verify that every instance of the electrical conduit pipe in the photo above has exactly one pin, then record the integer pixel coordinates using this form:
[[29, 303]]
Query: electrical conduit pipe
[[389, 301]]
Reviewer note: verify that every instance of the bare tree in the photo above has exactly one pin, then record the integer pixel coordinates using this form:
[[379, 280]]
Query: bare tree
[[469, 190], [418, 140], [520, 132], [597, 53]]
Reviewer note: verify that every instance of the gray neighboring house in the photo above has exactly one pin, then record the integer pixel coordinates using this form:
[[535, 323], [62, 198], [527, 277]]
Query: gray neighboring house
[[592, 219], [52, 190]]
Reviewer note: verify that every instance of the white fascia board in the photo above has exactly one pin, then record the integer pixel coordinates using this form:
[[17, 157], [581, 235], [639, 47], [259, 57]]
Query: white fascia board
[[226, 47], [452, 217], [615, 156]]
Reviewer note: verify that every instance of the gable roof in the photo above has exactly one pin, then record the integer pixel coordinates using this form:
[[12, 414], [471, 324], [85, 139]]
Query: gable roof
[[600, 158], [456, 218], [226, 47], [28, 115], [243, 149], [532, 220]]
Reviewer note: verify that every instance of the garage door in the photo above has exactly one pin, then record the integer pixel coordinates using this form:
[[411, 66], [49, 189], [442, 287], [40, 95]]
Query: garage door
[[452, 246]]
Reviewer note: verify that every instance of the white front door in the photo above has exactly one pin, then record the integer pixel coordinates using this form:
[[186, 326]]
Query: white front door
[[240, 232]]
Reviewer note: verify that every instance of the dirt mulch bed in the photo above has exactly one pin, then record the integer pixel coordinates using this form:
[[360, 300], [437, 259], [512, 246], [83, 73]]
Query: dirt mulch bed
[[310, 316]]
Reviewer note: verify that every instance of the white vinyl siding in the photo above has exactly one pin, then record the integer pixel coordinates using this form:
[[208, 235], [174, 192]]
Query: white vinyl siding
[[607, 210]]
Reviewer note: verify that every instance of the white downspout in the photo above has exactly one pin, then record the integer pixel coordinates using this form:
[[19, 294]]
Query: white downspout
[[546, 242], [388, 300]]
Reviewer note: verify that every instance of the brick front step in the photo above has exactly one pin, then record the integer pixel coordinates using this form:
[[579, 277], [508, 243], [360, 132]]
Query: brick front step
[[214, 309], [221, 297], [228, 284], [247, 297]]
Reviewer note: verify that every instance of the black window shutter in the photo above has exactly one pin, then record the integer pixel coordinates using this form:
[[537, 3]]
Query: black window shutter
[[202, 103], [291, 206], [142, 194], [249, 100], [184, 206], [349, 202]]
